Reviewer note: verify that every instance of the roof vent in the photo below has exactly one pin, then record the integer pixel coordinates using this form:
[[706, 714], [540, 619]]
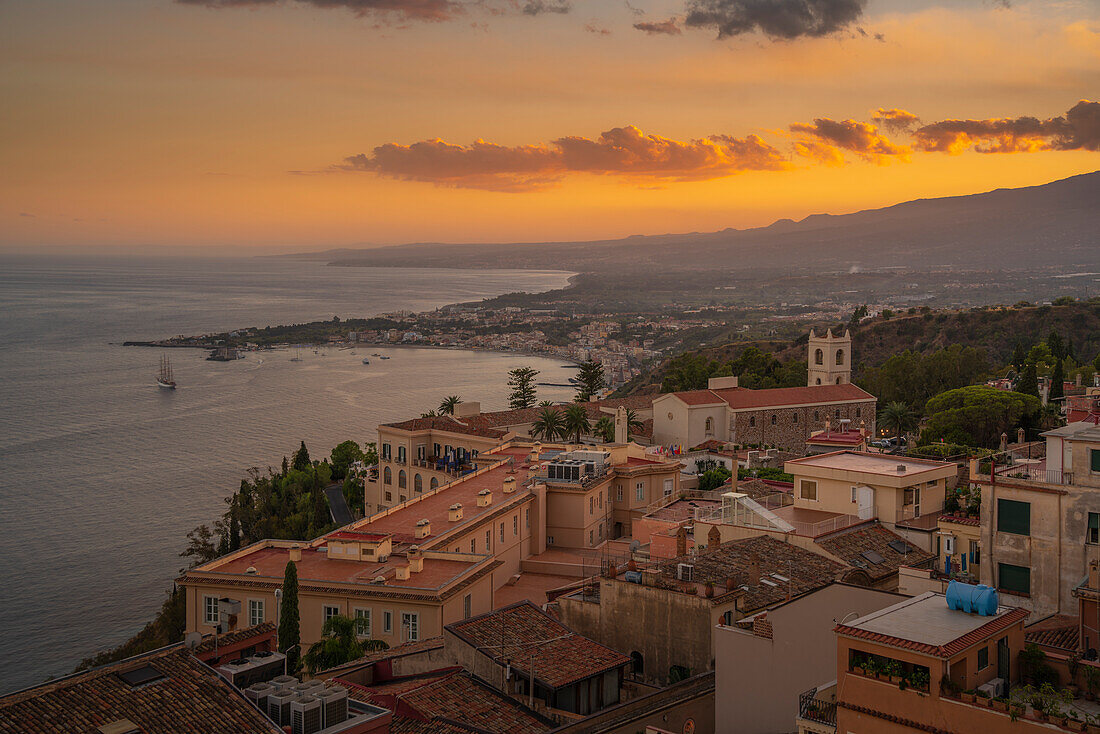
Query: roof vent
[[509, 485], [295, 552], [122, 726], [143, 676], [454, 512], [901, 468], [484, 498], [423, 528], [380, 579], [251, 570], [403, 573]]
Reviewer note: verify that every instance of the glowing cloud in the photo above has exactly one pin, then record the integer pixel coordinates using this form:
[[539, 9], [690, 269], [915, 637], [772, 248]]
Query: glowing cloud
[[1078, 129], [622, 151], [861, 138], [895, 120]]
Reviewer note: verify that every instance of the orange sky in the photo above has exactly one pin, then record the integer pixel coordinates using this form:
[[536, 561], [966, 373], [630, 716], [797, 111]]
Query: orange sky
[[161, 123]]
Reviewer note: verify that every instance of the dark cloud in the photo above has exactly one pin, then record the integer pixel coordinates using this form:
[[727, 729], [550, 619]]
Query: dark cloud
[[824, 139], [896, 120], [622, 151], [776, 18], [425, 10], [660, 28], [1078, 129], [539, 7]]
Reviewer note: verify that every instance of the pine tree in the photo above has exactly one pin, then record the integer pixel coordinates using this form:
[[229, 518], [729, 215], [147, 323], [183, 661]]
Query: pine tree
[[1028, 383], [286, 466], [1054, 343], [301, 458], [590, 380], [1019, 356], [522, 382], [1057, 380], [289, 629]]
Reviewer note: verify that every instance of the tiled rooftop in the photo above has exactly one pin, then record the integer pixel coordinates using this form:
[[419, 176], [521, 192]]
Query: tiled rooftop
[[490, 424], [785, 570], [1061, 632], [533, 638], [450, 696], [926, 624], [188, 696], [740, 398], [874, 549], [684, 509]]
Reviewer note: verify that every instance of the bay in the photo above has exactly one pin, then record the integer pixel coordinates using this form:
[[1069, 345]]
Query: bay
[[102, 474]]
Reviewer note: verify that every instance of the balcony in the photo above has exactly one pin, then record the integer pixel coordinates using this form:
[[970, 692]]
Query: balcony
[[817, 710]]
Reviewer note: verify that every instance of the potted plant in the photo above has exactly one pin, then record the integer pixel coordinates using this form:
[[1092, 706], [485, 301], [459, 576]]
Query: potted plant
[[893, 671], [708, 590], [982, 699], [968, 696], [1092, 724], [1000, 703], [631, 565], [1074, 722], [1016, 710], [919, 680]]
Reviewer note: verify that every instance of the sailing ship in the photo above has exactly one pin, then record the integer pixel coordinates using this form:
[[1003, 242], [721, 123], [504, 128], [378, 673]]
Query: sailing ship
[[164, 378]]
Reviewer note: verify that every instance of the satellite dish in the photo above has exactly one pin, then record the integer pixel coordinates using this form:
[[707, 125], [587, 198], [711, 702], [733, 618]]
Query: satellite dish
[[192, 640]]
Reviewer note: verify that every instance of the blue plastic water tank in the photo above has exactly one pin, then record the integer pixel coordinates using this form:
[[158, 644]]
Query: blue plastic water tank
[[634, 577], [979, 599]]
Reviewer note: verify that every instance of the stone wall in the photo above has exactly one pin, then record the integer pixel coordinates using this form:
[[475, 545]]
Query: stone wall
[[792, 426]]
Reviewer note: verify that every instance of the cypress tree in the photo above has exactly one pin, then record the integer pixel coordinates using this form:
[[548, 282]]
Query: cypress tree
[[1057, 380], [234, 528], [301, 458], [289, 631], [1028, 383], [1019, 356]]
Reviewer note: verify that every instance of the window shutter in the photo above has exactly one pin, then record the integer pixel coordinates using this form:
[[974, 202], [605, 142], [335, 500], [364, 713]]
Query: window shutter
[[1014, 517]]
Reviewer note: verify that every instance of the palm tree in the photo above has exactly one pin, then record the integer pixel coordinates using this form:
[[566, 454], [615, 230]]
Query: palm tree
[[575, 422], [605, 429], [633, 423], [897, 417], [447, 405], [339, 644], [429, 414], [549, 425], [545, 403]]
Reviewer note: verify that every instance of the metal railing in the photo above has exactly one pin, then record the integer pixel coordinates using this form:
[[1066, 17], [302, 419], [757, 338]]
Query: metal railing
[[823, 527], [811, 708], [1024, 471]]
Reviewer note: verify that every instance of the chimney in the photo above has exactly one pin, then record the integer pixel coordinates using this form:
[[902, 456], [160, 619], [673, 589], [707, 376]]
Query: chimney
[[863, 429], [754, 571], [901, 468], [416, 559], [536, 451], [454, 512], [423, 528], [485, 498], [681, 541], [509, 485], [1078, 379], [1021, 436], [1004, 441], [296, 553], [402, 573], [714, 537]]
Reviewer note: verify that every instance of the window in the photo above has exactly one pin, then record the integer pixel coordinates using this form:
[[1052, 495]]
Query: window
[[709, 427], [502, 532], [410, 624], [362, 622], [402, 479], [591, 505], [328, 612], [840, 356], [515, 525], [819, 356], [401, 454], [389, 496], [386, 451], [255, 612], [599, 529], [975, 553], [1014, 517], [983, 658], [421, 452], [807, 490], [549, 539], [488, 541], [836, 414], [591, 537], [473, 545], [794, 418], [1094, 459], [434, 483], [467, 604], [752, 421], [854, 499], [527, 517], [639, 491], [418, 483], [1093, 536], [668, 487], [210, 609], [859, 412], [1014, 578], [619, 493], [387, 622], [600, 495], [817, 415], [387, 476], [435, 449], [773, 420]]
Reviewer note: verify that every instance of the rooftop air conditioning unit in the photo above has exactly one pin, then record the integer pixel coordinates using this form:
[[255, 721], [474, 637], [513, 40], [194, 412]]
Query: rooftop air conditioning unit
[[258, 693], [305, 715], [278, 706], [265, 666], [995, 688], [334, 705], [238, 672], [281, 682]]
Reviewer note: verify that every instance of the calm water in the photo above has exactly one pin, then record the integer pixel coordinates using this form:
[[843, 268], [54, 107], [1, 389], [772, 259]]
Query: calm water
[[102, 473]]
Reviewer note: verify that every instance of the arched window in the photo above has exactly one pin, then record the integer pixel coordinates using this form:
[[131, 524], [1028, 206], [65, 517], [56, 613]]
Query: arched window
[[387, 476], [418, 483], [402, 480], [752, 421], [838, 380], [638, 663], [840, 356], [859, 412], [817, 414], [819, 356], [818, 381], [773, 420], [434, 484]]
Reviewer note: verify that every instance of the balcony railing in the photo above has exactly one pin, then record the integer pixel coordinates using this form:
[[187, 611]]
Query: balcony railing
[[1048, 476], [823, 527], [812, 708]]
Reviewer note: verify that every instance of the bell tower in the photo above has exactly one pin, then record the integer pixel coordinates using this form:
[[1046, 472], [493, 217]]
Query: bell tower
[[829, 359]]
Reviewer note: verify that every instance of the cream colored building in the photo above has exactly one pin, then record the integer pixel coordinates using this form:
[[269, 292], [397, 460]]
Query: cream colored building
[[829, 359]]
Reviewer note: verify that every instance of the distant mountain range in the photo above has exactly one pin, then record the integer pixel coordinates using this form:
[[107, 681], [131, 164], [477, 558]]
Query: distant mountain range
[[1056, 224]]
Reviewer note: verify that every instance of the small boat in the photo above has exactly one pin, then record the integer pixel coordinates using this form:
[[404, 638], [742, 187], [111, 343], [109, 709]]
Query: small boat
[[366, 361], [374, 354], [164, 377], [383, 357]]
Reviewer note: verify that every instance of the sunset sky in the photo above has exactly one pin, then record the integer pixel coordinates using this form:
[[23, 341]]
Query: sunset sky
[[303, 124]]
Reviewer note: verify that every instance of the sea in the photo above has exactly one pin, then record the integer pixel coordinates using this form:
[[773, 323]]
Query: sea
[[102, 473]]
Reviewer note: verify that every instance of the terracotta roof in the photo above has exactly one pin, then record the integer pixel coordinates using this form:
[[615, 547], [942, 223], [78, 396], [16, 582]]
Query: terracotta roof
[[534, 638], [868, 548], [490, 424], [961, 520], [230, 639], [449, 424], [453, 697], [785, 570], [949, 649], [836, 438], [756, 488], [741, 398], [1060, 632], [188, 696]]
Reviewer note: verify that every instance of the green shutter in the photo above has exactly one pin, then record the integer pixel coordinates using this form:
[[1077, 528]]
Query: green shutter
[[1094, 456], [1014, 578], [1014, 517], [1094, 521]]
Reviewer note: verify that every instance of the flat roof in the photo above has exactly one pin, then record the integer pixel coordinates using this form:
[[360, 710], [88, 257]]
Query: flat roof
[[867, 463], [925, 623]]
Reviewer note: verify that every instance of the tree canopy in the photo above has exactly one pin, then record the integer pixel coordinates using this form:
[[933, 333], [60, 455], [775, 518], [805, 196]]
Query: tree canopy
[[590, 379], [344, 455], [754, 368], [977, 415], [522, 382], [913, 378]]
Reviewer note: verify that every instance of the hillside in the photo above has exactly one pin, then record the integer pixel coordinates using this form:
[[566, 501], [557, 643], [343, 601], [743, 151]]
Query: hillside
[[1054, 224], [996, 330]]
